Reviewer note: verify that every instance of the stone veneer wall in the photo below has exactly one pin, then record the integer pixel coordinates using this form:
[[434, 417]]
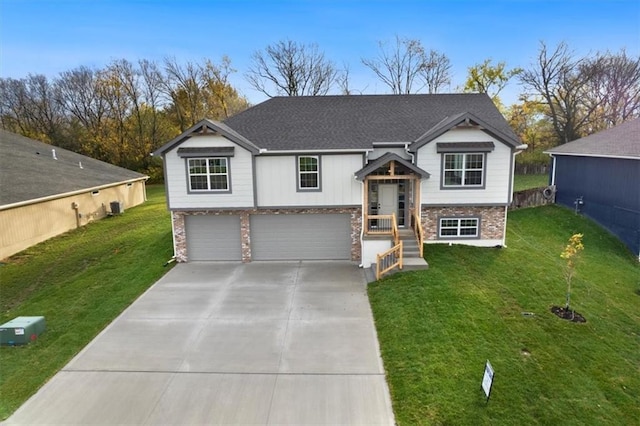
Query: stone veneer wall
[[178, 218], [492, 220]]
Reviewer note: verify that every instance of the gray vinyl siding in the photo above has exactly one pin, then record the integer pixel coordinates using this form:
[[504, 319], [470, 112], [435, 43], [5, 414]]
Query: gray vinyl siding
[[239, 167], [211, 238], [301, 237], [610, 191], [277, 178]]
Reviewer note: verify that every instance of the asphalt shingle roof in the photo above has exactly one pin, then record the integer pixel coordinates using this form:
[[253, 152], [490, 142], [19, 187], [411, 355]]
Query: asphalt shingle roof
[[355, 122], [28, 170], [622, 140]]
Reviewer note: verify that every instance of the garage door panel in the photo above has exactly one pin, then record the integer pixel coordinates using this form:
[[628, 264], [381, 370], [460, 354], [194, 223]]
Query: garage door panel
[[301, 237], [213, 238]]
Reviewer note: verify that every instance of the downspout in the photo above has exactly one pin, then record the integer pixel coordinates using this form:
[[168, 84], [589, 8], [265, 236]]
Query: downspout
[[173, 236], [76, 207], [553, 169], [518, 150]]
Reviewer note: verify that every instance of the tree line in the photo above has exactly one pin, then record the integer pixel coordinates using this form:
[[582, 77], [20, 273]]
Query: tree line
[[123, 111]]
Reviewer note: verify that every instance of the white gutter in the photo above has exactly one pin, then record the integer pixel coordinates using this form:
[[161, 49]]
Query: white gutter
[[575, 154], [68, 194], [311, 151]]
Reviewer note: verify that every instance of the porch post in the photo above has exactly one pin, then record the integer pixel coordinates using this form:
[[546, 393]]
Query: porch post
[[365, 207], [416, 197]]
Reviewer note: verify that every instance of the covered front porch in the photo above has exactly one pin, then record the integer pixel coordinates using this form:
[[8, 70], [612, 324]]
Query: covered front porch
[[392, 228]]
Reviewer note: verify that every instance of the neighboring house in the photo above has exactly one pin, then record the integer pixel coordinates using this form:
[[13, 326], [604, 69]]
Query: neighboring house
[[319, 177], [599, 175], [46, 191]]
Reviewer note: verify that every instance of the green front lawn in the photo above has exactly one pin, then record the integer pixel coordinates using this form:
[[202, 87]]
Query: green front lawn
[[79, 282], [438, 327]]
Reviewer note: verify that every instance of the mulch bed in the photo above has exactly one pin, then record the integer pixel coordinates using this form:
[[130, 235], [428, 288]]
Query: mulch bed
[[568, 314]]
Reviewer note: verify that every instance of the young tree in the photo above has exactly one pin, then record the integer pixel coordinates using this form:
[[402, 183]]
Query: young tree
[[291, 69], [571, 254]]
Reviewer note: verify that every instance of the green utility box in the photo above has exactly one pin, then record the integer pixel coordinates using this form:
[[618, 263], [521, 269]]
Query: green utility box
[[21, 330]]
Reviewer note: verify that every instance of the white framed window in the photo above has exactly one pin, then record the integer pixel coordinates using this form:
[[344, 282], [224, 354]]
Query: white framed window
[[459, 227], [463, 170], [309, 173], [208, 174]]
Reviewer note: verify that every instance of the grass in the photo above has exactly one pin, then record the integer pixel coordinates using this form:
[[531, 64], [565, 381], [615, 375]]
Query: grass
[[438, 327], [522, 182], [79, 282]]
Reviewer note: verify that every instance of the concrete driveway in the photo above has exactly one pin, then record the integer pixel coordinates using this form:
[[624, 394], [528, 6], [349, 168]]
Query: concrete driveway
[[212, 343]]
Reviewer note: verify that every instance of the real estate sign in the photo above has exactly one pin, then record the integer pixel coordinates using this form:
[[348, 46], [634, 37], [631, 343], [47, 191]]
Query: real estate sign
[[487, 379]]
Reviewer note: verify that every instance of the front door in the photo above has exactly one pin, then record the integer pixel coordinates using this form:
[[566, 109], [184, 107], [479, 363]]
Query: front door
[[388, 199]]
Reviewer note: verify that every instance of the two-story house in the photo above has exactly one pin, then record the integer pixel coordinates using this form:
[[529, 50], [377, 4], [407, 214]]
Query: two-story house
[[319, 178]]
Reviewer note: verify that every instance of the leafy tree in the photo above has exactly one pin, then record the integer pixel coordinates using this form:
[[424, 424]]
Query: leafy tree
[[490, 79], [200, 91], [529, 121], [291, 69]]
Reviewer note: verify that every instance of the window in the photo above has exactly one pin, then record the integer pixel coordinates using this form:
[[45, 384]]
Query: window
[[458, 228], [208, 174], [462, 170], [309, 173]]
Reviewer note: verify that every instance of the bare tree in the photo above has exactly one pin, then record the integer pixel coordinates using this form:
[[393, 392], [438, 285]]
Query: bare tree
[[291, 69], [613, 87], [561, 81], [436, 72], [77, 91], [399, 65], [28, 107]]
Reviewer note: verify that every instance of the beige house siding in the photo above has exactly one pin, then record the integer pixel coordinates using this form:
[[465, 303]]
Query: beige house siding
[[24, 226]]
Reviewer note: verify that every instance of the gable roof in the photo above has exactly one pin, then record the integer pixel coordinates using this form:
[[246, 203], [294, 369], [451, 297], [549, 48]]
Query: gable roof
[[386, 158], [305, 123], [621, 141], [208, 125], [466, 119], [28, 170]]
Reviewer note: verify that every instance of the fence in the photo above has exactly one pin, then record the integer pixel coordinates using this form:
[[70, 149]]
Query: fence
[[532, 197], [532, 169]]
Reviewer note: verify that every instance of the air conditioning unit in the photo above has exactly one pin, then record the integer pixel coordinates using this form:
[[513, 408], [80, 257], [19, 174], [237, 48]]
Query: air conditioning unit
[[116, 207]]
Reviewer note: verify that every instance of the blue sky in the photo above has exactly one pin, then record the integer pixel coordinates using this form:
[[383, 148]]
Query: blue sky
[[47, 36]]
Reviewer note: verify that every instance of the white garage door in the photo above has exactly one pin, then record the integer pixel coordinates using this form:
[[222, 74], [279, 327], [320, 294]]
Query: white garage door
[[301, 237], [213, 238]]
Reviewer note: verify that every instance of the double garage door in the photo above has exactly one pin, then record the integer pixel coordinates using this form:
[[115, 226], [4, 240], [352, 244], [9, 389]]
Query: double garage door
[[273, 237]]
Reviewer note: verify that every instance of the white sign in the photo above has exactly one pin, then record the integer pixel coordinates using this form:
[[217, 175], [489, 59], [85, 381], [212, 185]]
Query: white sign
[[487, 379], [19, 331]]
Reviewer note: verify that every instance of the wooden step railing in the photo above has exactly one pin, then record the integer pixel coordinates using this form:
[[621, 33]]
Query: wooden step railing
[[379, 224], [388, 260], [416, 225]]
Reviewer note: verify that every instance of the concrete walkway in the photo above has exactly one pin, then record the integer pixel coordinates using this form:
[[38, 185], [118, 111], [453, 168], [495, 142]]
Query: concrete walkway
[[213, 343]]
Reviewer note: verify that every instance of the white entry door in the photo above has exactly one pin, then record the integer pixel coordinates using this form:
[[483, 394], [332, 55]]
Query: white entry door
[[388, 199]]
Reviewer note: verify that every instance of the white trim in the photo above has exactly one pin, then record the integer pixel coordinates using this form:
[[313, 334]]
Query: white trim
[[458, 228], [576, 154], [68, 194]]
